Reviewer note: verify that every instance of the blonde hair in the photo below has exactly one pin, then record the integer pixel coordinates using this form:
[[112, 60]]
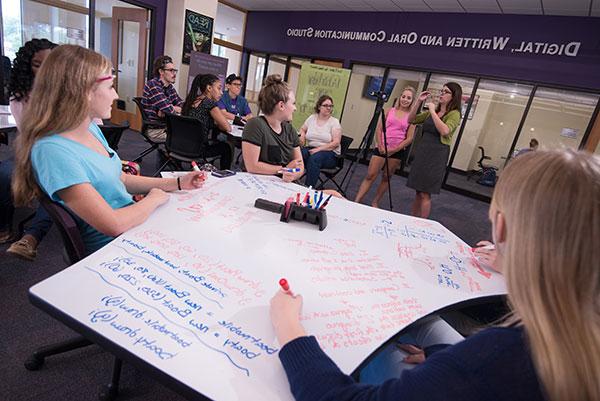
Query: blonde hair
[[274, 90], [414, 96], [551, 204], [59, 101]]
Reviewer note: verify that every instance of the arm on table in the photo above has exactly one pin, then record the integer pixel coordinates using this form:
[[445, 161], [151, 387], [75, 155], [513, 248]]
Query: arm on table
[[136, 184], [89, 205]]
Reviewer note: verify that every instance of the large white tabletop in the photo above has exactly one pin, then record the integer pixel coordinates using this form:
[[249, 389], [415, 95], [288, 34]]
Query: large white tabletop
[[186, 294]]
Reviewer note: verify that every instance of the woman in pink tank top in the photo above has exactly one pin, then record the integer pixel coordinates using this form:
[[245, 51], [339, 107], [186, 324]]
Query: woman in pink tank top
[[399, 136]]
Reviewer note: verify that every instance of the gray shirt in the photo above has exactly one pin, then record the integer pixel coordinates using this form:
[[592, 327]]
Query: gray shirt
[[277, 149]]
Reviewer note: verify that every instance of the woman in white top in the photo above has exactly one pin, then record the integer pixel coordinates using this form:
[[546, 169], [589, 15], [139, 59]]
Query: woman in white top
[[320, 136]]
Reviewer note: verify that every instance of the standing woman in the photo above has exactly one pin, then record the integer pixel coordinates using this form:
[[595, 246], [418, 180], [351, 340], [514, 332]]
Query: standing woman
[[27, 62], [270, 144], [201, 103], [431, 154], [62, 153], [320, 134], [399, 134]]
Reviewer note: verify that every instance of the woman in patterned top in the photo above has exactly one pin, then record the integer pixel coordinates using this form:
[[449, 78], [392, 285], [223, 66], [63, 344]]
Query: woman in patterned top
[[201, 103]]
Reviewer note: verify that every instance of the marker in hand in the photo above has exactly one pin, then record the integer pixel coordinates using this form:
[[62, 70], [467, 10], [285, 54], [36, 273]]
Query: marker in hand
[[195, 166], [285, 286], [487, 248], [289, 170]]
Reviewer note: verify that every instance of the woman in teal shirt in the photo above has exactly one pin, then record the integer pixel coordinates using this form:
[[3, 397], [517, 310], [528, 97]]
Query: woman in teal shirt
[[62, 151], [431, 153]]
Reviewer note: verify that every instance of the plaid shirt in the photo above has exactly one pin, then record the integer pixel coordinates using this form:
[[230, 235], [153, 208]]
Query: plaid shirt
[[159, 97]]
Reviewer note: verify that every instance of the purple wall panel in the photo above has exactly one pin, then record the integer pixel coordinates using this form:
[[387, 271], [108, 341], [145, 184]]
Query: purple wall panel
[[268, 31]]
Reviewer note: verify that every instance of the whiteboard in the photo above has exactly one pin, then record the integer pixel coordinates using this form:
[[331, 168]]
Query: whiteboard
[[188, 291]]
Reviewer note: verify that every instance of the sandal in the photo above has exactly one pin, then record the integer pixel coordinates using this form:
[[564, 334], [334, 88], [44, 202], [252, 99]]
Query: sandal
[[23, 249]]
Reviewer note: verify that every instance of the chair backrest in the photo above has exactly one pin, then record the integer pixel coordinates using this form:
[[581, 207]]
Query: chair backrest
[[67, 226], [138, 102], [345, 143], [113, 132], [186, 136]]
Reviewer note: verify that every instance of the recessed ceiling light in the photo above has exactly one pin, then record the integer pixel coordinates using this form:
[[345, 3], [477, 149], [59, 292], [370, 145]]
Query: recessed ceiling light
[[501, 122], [512, 95], [531, 129]]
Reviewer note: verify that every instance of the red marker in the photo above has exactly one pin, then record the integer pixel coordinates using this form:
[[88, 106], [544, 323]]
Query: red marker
[[195, 166], [284, 285]]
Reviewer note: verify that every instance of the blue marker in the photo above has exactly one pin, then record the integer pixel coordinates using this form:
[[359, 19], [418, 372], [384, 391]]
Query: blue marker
[[320, 200], [290, 170]]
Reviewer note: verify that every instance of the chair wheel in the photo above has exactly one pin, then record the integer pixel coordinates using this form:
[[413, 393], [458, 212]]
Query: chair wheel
[[108, 393], [34, 362]]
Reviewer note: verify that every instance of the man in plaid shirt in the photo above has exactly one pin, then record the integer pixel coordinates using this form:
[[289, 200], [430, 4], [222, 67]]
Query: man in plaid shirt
[[160, 96]]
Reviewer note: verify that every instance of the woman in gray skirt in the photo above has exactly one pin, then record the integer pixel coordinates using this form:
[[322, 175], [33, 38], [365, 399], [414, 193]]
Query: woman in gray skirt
[[431, 154]]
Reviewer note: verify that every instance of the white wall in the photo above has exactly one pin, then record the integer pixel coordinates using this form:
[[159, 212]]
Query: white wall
[[174, 33]]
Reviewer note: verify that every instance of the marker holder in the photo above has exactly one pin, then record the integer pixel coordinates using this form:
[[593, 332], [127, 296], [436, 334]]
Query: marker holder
[[303, 213], [293, 211]]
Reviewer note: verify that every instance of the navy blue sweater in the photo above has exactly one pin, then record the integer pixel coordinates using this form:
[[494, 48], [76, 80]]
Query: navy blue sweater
[[494, 364]]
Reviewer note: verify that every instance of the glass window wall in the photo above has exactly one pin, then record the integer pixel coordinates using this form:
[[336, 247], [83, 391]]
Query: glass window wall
[[495, 115], [24, 20], [256, 68], [557, 119], [277, 65], [359, 107]]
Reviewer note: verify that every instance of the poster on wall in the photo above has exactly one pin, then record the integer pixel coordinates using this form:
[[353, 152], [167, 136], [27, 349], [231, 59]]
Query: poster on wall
[[316, 80], [202, 63], [569, 133], [197, 34]]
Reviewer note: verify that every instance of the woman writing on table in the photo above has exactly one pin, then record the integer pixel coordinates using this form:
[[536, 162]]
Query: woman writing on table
[[399, 135], [550, 346], [320, 134], [431, 154], [270, 144], [63, 154]]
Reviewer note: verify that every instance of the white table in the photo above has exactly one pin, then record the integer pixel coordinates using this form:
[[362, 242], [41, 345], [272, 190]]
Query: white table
[[185, 296]]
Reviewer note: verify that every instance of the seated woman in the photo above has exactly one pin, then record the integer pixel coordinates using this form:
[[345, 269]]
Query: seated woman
[[201, 102], [320, 134], [232, 103], [27, 62], [549, 347], [62, 153], [270, 144]]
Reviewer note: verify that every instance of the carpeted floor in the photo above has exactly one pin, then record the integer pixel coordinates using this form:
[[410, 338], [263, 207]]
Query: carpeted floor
[[78, 375]]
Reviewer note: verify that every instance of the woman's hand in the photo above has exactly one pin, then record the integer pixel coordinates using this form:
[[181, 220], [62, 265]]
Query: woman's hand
[[285, 316], [487, 256], [431, 107], [312, 151], [415, 354], [423, 96], [289, 177], [158, 196], [193, 180]]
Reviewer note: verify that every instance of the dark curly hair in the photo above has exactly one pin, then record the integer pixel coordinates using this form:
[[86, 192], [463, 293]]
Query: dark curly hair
[[21, 76]]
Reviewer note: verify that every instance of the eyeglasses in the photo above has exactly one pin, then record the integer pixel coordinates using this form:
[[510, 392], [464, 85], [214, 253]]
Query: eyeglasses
[[171, 70], [328, 106], [239, 85], [446, 92]]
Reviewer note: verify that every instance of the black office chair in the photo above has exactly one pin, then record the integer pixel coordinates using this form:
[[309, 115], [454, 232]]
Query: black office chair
[[146, 125], [186, 141], [330, 173], [74, 250], [113, 132], [482, 167]]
